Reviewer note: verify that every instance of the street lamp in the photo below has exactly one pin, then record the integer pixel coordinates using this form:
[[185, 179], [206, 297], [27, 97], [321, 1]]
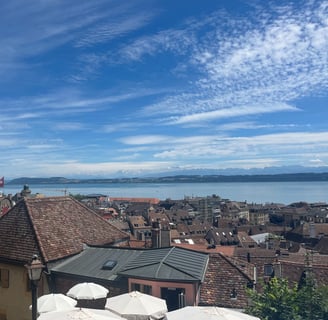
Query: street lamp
[[34, 270]]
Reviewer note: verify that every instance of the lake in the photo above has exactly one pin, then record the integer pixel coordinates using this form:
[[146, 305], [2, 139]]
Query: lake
[[258, 192]]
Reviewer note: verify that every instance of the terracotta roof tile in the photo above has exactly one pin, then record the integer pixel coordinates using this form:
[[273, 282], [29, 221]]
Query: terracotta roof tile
[[17, 239], [143, 200], [223, 278], [226, 250], [294, 264], [53, 227]]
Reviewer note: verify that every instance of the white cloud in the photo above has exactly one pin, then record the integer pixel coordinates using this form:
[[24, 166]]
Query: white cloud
[[279, 145], [166, 41], [317, 162], [69, 126], [233, 112], [64, 102], [200, 75], [145, 139], [103, 168], [117, 25], [249, 125], [276, 59]]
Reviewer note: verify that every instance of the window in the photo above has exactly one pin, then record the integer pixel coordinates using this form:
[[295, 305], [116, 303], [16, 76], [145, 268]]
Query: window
[[135, 287], [233, 294], [277, 270], [4, 278], [144, 288], [147, 289], [268, 269]]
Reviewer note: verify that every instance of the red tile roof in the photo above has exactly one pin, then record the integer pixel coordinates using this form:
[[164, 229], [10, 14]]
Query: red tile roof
[[53, 228], [143, 200], [294, 264], [226, 250], [221, 279]]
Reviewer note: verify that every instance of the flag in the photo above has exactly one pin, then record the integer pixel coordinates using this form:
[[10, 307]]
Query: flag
[[2, 182]]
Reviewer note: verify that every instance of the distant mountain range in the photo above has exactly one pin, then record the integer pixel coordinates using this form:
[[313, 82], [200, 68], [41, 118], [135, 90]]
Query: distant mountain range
[[311, 176], [240, 171]]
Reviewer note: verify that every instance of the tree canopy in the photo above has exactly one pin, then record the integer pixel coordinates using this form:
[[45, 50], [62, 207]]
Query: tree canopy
[[280, 301]]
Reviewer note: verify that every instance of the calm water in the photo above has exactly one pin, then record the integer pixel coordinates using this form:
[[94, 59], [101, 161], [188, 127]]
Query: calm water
[[259, 192]]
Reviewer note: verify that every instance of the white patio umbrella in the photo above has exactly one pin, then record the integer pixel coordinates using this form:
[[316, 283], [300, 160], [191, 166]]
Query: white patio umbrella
[[80, 313], [87, 291], [207, 313], [54, 302], [137, 306]]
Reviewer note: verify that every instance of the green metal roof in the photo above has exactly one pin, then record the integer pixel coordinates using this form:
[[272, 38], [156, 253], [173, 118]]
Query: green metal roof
[[90, 263], [166, 264]]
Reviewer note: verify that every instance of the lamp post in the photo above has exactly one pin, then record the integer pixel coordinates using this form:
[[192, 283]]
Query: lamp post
[[34, 270]]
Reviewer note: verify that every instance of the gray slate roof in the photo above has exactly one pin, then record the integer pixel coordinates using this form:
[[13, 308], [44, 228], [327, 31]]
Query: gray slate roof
[[163, 264], [89, 263]]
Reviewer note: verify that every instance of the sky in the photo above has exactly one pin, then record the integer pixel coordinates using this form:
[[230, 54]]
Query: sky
[[109, 88]]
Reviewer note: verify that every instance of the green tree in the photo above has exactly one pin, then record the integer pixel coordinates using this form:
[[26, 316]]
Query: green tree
[[276, 302], [312, 301], [279, 301], [77, 196]]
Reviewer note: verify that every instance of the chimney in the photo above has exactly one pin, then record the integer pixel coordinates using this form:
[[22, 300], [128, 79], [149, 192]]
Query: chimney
[[156, 234], [312, 230]]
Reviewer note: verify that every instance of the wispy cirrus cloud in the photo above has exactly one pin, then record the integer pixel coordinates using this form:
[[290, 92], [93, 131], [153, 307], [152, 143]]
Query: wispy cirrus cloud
[[30, 29], [144, 139], [65, 101], [280, 57], [213, 151], [232, 112], [117, 24], [166, 41], [249, 125], [69, 126], [34, 27], [105, 79]]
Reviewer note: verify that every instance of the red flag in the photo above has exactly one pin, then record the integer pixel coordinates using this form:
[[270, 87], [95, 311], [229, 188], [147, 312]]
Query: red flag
[[2, 182]]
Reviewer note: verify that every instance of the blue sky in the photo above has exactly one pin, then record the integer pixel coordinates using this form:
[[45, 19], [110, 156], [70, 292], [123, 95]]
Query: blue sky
[[107, 88]]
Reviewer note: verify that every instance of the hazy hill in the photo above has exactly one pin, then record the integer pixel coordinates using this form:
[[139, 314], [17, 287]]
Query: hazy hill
[[179, 178]]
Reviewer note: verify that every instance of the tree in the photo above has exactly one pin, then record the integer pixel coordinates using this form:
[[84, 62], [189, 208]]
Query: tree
[[312, 301], [77, 196], [276, 302], [279, 301]]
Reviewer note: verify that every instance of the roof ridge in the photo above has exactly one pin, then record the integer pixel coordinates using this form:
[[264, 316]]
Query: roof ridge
[[231, 261], [182, 271], [36, 233], [185, 271], [39, 211], [163, 260], [97, 215]]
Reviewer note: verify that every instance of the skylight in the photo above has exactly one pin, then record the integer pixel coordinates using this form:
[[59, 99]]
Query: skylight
[[109, 264]]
